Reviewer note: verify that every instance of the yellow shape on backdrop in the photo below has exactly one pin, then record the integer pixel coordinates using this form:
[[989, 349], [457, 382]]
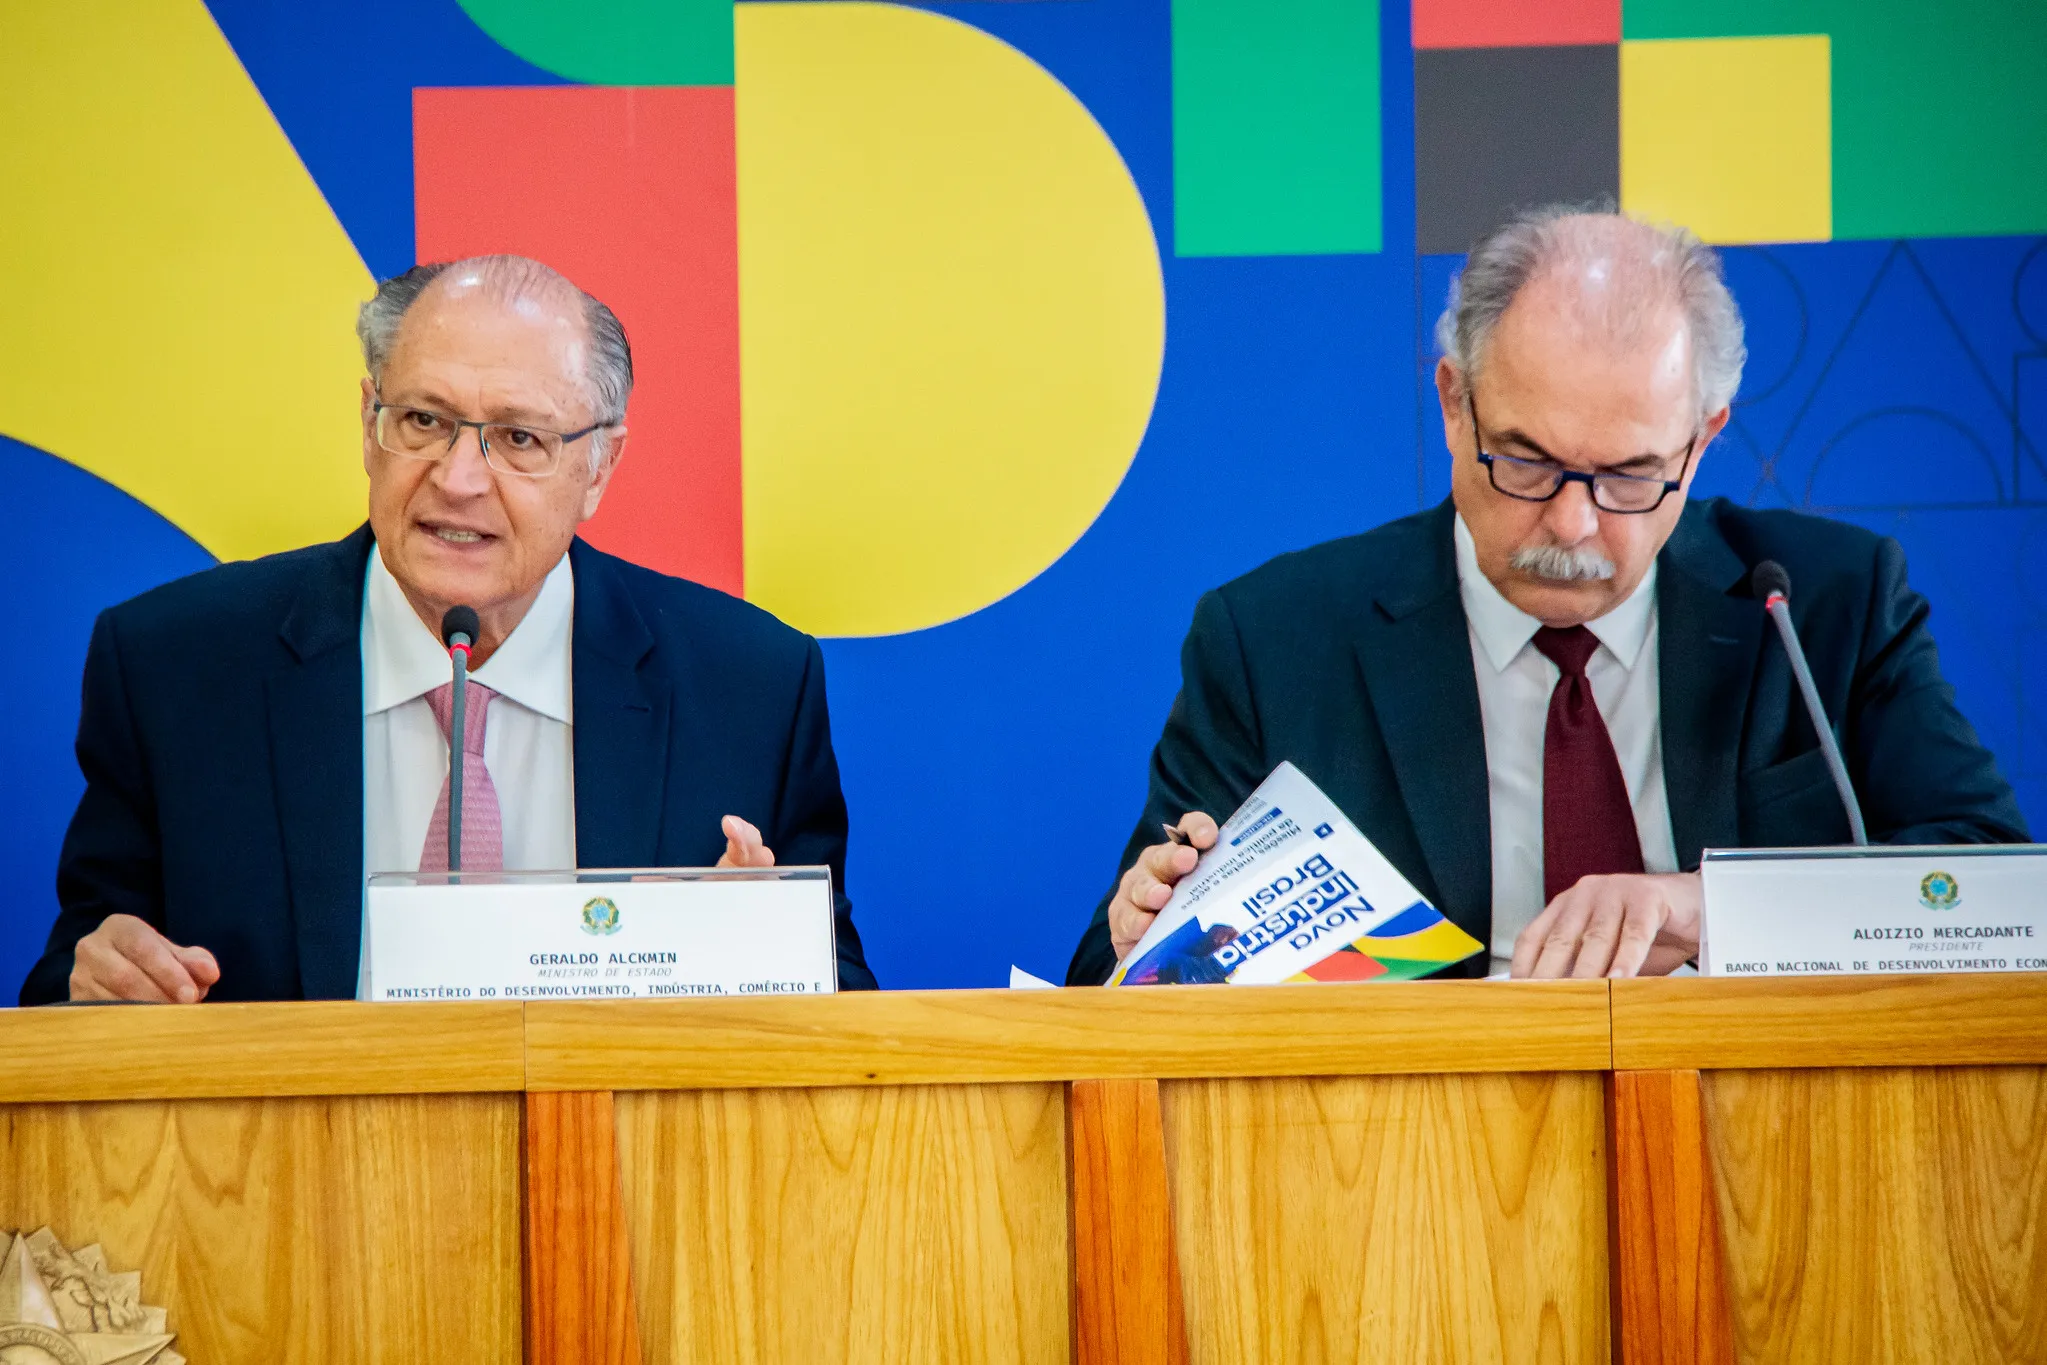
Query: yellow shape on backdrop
[[180, 297], [951, 316], [1732, 137]]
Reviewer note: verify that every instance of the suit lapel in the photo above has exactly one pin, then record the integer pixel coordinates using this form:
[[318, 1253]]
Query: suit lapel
[[315, 715], [1706, 660], [1415, 652], [623, 703]]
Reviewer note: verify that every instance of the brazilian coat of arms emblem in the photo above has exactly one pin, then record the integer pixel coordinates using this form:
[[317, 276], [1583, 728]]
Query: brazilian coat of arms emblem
[[1940, 891], [600, 916], [60, 1307]]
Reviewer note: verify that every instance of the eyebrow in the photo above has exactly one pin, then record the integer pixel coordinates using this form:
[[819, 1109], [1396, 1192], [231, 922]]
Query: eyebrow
[[511, 416], [1516, 437], [422, 398]]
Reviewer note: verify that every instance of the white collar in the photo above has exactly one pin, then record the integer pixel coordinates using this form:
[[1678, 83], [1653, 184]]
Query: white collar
[[1504, 630], [402, 660]]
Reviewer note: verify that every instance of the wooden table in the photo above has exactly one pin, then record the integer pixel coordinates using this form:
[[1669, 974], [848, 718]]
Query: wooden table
[[1836, 1169]]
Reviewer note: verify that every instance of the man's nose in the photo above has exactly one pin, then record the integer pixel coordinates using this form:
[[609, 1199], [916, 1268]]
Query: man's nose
[[1571, 517], [463, 472]]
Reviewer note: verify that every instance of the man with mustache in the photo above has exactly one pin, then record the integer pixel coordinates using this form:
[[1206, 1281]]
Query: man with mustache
[[1542, 699]]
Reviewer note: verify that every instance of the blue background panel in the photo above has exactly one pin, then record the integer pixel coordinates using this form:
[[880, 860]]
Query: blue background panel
[[78, 545], [994, 764]]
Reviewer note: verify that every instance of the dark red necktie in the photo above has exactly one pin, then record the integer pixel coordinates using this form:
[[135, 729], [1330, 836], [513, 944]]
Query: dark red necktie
[[1588, 826]]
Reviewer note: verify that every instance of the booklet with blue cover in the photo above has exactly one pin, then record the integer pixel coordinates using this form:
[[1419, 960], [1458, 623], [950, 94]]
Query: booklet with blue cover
[[1293, 892]]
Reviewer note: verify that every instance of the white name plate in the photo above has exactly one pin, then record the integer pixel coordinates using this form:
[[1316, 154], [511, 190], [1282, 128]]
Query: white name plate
[[1848, 911], [629, 935]]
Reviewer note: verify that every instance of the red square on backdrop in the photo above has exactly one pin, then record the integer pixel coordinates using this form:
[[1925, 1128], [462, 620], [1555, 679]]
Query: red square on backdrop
[[632, 193], [1516, 23]]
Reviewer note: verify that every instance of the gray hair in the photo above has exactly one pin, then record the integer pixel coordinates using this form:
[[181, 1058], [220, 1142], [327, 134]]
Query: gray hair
[[610, 377], [1655, 264]]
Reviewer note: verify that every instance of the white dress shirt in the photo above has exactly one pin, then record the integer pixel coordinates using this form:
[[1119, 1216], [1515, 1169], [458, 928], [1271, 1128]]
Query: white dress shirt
[[1514, 684], [529, 737]]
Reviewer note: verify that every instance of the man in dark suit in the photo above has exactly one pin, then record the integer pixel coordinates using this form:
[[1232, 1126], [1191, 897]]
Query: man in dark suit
[[1542, 699], [258, 737]]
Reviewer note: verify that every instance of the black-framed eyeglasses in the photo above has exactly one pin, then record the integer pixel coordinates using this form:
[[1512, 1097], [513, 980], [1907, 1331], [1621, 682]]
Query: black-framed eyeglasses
[[1541, 480], [423, 434]]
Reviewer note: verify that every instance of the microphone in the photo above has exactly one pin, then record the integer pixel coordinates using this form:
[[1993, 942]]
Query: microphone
[[1773, 585], [459, 629]]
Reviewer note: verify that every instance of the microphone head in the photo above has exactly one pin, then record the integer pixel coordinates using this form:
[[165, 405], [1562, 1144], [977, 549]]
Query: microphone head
[[459, 621], [1769, 577]]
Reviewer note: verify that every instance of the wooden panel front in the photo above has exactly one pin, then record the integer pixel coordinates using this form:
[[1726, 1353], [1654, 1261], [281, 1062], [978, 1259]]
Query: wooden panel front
[[1698, 1023], [1424, 1218], [301, 1047], [1884, 1215], [1126, 1273], [879, 1225], [361, 1229], [580, 1305], [1669, 1271], [978, 1037]]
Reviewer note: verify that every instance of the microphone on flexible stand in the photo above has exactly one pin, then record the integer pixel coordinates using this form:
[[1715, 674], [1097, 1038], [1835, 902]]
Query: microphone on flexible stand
[[1773, 585], [458, 632]]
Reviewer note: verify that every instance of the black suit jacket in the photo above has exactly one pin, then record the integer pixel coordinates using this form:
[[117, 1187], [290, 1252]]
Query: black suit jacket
[[1353, 659], [221, 741]]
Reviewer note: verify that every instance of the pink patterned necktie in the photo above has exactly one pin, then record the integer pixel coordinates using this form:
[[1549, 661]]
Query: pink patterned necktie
[[483, 831]]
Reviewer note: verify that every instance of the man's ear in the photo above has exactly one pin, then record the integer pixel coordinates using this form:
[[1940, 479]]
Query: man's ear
[[606, 465], [1713, 427], [369, 420], [1450, 393]]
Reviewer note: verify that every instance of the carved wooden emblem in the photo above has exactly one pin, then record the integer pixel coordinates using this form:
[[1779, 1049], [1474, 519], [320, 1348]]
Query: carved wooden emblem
[[61, 1307]]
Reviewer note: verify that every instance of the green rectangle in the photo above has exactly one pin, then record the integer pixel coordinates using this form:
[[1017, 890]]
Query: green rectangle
[[616, 42], [1276, 127], [1939, 107]]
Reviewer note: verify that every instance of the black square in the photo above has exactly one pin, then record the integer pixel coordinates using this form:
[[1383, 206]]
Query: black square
[[1499, 129]]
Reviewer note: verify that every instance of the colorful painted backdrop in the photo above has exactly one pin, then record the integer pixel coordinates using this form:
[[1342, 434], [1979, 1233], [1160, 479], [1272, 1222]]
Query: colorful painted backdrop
[[979, 338]]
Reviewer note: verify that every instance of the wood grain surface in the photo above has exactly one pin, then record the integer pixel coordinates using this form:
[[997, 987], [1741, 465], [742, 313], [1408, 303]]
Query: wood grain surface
[[1884, 1216], [336, 1047], [580, 1308], [1126, 1276], [1670, 1291], [1396, 1219], [935, 1037], [1957, 1020], [876, 1226], [296, 1231]]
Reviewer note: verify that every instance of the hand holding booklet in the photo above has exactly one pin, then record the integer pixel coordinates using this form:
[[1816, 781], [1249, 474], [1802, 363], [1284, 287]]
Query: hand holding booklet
[[1293, 892]]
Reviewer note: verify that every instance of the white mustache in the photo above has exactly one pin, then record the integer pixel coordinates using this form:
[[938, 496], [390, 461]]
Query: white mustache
[[1562, 565]]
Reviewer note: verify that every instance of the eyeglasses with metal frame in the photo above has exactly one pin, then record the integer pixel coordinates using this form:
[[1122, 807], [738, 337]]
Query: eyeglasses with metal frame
[[1541, 480], [416, 433]]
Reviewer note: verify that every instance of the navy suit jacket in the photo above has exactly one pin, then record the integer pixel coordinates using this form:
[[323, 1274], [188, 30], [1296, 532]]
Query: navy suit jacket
[[1353, 659], [222, 745]]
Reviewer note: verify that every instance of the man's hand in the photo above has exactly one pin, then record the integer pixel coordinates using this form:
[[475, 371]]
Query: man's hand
[[1149, 883], [1632, 925], [743, 846], [126, 959]]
